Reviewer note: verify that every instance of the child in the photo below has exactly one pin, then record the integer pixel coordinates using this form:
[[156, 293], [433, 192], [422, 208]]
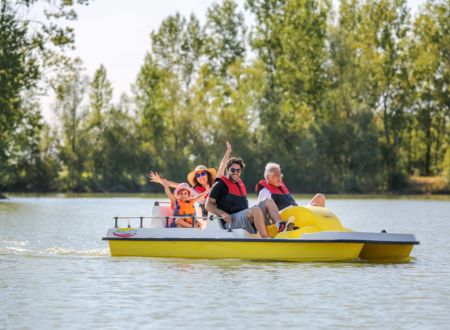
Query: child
[[183, 199]]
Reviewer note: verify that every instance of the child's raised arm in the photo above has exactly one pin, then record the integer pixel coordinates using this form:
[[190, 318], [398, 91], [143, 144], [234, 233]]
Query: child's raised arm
[[155, 177], [199, 196], [168, 192]]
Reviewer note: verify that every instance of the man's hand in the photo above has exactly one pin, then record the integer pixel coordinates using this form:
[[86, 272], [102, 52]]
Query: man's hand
[[226, 217], [228, 148]]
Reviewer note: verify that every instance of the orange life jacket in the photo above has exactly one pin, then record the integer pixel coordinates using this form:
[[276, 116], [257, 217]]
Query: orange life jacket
[[184, 208]]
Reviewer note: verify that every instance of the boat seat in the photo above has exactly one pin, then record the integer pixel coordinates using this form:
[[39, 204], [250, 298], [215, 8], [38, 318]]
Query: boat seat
[[160, 211]]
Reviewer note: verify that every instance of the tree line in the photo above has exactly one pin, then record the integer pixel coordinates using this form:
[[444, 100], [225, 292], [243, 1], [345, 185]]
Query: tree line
[[347, 99]]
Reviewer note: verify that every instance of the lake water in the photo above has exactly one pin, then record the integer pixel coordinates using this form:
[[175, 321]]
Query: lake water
[[56, 272]]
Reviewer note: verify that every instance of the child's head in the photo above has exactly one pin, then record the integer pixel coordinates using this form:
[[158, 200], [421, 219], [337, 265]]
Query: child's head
[[183, 192]]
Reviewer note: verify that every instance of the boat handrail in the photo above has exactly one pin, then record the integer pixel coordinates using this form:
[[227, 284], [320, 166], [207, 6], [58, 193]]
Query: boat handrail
[[166, 217], [161, 202]]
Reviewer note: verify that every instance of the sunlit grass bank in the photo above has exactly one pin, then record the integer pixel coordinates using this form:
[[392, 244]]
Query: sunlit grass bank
[[429, 185]]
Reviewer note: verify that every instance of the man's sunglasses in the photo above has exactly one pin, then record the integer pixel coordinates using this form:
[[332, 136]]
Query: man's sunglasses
[[199, 175], [235, 170]]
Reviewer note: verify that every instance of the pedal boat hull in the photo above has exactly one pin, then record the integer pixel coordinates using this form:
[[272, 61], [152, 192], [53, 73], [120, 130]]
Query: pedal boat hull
[[321, 223], [320, 237], [251, 249]]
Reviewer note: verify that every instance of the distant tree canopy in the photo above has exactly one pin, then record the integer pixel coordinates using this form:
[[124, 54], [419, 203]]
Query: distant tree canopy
[[348, 100], [27, 50]]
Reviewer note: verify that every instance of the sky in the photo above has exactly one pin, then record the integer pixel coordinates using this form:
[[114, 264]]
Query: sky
[[116, 33]]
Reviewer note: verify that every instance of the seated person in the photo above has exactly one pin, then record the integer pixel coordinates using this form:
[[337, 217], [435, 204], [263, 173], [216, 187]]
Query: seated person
[[228, 199], [184, 204], [273, 187]]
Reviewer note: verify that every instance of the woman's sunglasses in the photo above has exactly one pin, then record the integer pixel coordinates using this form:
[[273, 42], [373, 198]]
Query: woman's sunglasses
[[199, 175]]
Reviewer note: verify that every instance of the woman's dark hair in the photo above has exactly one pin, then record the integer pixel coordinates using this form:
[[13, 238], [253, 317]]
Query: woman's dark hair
[[210, 179], [235, 160]]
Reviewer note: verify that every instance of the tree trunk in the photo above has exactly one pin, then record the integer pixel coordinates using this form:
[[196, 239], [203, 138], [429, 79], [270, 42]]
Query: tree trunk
[[428, 142], [439, 132]]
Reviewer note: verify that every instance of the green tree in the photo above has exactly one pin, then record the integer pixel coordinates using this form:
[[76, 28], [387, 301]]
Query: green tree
[[153, 105], [225, 32], [383, 44], [27, 49], [100, 96], [430, 51], [119, 146], [34, 162], [18, 72], [214, 92], [290, 39], [346, 137], [71, 111], [226, 110], [266, 42], [163, 93]]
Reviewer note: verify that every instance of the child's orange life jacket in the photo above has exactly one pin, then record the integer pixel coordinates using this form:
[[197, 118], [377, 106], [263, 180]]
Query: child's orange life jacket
[[184, 208]]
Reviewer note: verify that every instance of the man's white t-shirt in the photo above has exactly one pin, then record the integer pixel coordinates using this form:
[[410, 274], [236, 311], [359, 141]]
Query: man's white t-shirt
[[264, 194]]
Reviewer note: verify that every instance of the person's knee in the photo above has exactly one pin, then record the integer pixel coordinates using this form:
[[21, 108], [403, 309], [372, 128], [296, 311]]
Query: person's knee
[[255, 212], [269, 202], [318, 200]]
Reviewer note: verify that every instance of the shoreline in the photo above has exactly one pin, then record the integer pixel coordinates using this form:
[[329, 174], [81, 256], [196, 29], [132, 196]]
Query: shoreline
[[301, 196]]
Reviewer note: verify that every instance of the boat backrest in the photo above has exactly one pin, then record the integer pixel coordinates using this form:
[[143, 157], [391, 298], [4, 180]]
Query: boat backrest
[[160, 211]]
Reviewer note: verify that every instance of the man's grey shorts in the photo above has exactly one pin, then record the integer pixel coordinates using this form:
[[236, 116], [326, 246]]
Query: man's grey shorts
[[240, 219]]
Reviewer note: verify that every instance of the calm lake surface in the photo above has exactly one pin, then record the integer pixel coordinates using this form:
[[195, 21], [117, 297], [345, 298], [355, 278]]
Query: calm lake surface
[[56, 272]]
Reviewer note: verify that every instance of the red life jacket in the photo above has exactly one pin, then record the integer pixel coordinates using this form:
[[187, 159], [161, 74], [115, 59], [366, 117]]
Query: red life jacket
[[280, 195], [200, 189], [236, 199]]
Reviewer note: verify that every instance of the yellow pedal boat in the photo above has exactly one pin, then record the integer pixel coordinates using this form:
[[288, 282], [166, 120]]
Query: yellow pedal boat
[[320, 237]]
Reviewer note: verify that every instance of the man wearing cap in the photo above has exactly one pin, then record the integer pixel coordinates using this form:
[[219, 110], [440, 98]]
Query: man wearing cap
[[228, 199]]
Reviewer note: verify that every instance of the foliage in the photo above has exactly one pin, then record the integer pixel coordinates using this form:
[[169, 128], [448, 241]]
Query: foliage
[[353, 100], [430, 53], [18, 73], [27, 48]]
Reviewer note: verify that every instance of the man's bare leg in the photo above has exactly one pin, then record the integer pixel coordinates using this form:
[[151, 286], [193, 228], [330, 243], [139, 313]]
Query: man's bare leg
[[272, 209], [256, 217]]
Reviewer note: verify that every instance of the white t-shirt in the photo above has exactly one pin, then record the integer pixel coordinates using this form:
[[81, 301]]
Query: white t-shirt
[[264, 194]]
